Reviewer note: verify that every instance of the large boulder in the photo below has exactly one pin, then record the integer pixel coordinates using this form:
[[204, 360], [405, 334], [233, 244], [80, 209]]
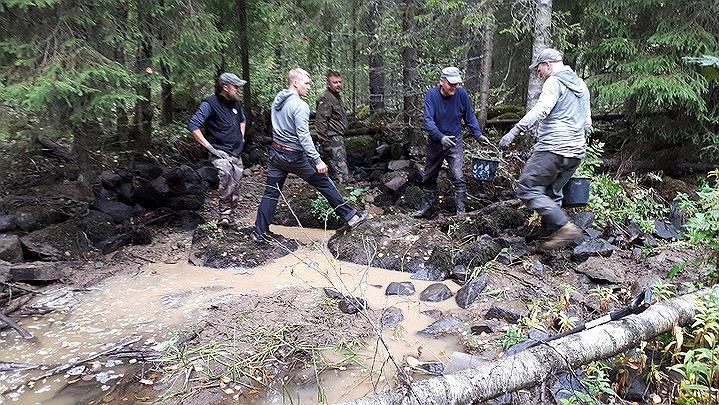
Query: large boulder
[[301, 207], [10, 248], [32, 218]]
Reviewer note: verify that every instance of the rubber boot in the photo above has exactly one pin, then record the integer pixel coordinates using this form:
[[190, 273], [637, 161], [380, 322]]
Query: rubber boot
[[460, 195], [428, 197]]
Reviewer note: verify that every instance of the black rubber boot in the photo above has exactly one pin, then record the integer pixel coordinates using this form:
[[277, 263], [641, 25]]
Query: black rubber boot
[[428, 197], [459, 197]]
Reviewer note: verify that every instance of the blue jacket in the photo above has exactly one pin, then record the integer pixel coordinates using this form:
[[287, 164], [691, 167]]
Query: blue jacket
[[221, 119], [444, 115]]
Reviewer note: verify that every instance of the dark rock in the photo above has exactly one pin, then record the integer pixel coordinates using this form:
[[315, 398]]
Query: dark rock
[[583, 219], [433, 313], [332, 293], [382, 151], [110, 179], [432, 368], [516, 248], [650, 241], [70, 239], [7, 223], [351, 305], [666, 231], [565, 385], [119, 212], [470, 292], [400, 288], [479, 329], [39, 271], [594, 247], [151, 195], [636, 388], [435, 293], [185, 202], [33, 218], [593, 233], [148, 171], [410, 198], [392, 316], [397, 165], [598, 269], [126, 190], [633, 232], [298, 207], [10, 248], [396, 183], [189, 174], [447, 326], [234, 248], [479, 253], [510, 311], [460, 272], [209, 174]]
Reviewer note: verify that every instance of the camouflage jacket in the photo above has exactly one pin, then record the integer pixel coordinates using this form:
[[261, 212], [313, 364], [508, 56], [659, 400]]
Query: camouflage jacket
[[331, 118]]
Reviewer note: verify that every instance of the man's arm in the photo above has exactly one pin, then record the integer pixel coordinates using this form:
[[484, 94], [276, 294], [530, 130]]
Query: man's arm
[[547, 99], [243, 122], [198, 121], [302, 119], [322, 117], [471, 120], [429, 123]]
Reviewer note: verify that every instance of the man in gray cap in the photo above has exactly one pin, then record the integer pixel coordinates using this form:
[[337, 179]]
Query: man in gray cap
[[219, 126], [445, 108], [564, 118]]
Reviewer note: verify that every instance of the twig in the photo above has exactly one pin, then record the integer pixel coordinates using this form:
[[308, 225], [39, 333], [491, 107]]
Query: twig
[[22, 331]]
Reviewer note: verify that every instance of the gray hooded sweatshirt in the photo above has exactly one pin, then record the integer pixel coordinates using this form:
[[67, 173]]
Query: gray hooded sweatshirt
[[290, 124], [563, 114]]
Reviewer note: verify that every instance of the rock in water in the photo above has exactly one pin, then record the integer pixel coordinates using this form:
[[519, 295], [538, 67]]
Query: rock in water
[[435, 292]]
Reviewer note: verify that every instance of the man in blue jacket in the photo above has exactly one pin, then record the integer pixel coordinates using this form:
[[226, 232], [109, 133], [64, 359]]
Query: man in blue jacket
[[293, 151], [223, 121], [445, 108]]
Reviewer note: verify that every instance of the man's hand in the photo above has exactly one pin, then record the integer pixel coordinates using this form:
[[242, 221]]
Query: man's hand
[[221, 154], [506, 140], [321, 168], [447, 141], [483, 139]]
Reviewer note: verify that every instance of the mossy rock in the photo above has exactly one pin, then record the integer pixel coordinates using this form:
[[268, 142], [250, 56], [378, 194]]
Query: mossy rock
[[497, 111], [509, 116], [232, 248], [359, 143]]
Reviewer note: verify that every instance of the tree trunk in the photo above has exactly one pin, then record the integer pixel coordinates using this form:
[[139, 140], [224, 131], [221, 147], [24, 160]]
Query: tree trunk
[[474, 57], [532, 366], [410, 105], [376, 60], [245, 58], [487, 51], [143, 108], [542, 31], [354, 57]]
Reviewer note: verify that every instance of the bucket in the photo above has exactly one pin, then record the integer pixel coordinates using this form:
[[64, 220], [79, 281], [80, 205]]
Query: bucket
[[576, 192], [484, 169]]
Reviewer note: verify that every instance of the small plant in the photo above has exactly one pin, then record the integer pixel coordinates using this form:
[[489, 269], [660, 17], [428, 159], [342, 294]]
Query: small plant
[[591, 161], [321, 209], [605, 296], [597, 383], [615, 202], [212, 227], [513, 336]]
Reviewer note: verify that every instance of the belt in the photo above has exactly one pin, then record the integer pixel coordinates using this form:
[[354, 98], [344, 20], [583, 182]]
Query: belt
[[277, 145]]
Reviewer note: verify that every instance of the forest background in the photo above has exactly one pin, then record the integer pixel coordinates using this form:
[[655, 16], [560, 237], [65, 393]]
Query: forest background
[[113, 74]]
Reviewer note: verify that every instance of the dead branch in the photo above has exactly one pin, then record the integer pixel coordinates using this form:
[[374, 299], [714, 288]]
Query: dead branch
[[22, 331]]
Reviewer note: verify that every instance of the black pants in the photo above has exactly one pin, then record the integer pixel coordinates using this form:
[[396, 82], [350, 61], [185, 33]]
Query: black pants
[[435, 155], [281, 163], [540, 186]]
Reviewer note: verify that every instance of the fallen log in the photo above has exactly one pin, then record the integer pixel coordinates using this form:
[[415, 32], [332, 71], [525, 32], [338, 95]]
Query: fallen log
[[530, 367], [55, 148]]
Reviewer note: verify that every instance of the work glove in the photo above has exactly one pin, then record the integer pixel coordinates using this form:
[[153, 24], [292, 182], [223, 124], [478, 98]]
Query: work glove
[[483, 139], [447, 141], [221, 154], [506, 141]]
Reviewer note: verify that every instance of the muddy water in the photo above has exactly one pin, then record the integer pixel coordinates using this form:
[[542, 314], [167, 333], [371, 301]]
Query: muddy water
[[163, 298]]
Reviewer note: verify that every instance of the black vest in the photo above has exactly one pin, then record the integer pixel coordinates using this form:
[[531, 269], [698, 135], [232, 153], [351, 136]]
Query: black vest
[[222, 127]]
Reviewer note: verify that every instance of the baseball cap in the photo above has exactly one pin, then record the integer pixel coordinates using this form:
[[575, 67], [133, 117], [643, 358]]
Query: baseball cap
[[546, 55], [232, 79], [452, 75]]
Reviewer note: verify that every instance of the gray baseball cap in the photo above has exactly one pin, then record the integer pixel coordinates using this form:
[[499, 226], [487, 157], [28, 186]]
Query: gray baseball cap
[[546, 55], [232, 79], [452, 75]]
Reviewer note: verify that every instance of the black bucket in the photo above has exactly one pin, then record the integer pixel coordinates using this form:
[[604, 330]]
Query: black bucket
[[484, 169], [576, 192]]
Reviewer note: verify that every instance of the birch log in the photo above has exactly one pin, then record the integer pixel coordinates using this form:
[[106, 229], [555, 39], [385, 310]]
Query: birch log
[[532, 366]]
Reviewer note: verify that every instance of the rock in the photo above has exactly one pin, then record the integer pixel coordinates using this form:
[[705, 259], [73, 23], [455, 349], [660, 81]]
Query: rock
[[594, 247], [33, 218], [351, 305], [510, 311], [479, 253], [447, 326], [598, 269], [110, 180], [119, 212], [637, 388], [209, 174], [395, 183], [583, 219], [392, 316], [247, 172], [433, 313], [234, 248], [382, 150], [565, 385], [149, 171], [666, 231], [7, 223], [650, 241], [462, 361], [644, 282], [37, 271], [460, 272], [435, 293], [301, 201], [593, 233], [70, 239], [480, 329], [188, 202], [400, 288], [332, 293], [152, 194], [397, 165], [470, 292], [432, 368], [10, 248]]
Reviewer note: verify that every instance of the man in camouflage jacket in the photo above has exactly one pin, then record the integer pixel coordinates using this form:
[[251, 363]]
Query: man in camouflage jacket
[[330, 124]]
